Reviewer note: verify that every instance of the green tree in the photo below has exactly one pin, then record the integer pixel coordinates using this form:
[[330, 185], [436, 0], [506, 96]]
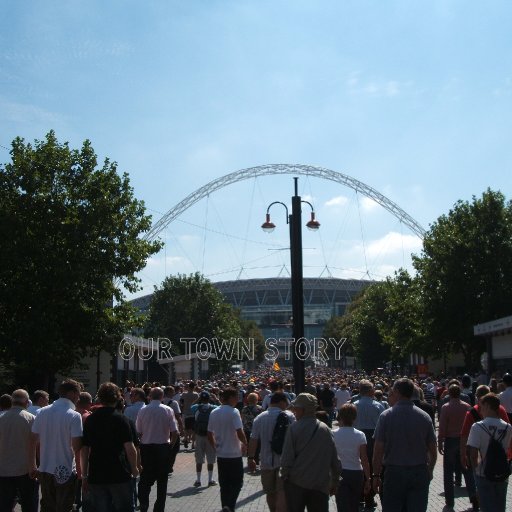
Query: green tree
[[360, 325], [401, 327], [190, 307], [70, 248], [465, 273], [250, 331], [338, 328]]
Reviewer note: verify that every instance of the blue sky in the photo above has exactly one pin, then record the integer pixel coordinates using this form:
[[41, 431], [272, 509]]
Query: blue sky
[[413, 98]]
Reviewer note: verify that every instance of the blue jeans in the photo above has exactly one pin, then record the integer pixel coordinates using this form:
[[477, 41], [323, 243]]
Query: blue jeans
[[493, 495], [406, 488], [451, 461], [108, 498]]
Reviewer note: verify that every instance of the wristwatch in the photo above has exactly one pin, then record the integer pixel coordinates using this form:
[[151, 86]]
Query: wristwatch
[[250, 458]]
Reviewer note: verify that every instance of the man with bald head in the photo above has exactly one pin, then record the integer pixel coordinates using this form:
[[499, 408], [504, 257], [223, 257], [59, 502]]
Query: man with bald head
[[15, 434], [158, 432]]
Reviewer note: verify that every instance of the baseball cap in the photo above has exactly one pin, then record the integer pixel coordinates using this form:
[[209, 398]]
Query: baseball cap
[[305, 401]]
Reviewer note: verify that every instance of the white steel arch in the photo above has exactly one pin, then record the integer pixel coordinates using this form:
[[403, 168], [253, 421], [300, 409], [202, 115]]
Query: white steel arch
[[266, 170]]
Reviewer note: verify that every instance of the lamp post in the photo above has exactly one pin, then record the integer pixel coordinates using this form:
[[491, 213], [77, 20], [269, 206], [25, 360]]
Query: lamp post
[[294, 220]]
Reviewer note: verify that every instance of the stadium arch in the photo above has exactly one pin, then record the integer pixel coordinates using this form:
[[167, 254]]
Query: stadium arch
[[273, 169]]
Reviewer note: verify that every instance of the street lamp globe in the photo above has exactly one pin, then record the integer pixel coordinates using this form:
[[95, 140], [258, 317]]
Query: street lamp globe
[[268, 226], [313, 224]]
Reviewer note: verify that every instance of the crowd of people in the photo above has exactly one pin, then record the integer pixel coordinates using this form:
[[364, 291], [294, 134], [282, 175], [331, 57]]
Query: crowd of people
[[354, 436]]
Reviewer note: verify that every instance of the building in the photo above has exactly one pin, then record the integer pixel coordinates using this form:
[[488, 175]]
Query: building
[[268, 302], [498, 335]]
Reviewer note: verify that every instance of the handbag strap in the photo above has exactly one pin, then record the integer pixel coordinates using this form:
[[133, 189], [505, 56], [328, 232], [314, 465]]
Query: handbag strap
[[310, 439]]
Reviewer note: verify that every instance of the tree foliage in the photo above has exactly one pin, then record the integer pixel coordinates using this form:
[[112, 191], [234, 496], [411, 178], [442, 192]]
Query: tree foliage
[[360, 325], [464, 277], [401, 327], [464, 273], [190, 307], [70, 248], [250, 331], [382, 323]]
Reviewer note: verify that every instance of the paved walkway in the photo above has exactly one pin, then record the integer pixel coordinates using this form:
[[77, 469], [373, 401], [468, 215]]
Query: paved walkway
[[183, 497]]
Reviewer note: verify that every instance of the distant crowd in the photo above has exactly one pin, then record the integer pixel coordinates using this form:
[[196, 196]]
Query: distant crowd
[[350, 435]]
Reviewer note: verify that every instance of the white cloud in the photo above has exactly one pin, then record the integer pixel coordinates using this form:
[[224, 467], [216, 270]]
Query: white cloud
[[393, 243], [368, 205], [392, 88], [504, 89], [353, 79], [170, 261], [337, 201], [377, 87], [371, 89], [25, 113]]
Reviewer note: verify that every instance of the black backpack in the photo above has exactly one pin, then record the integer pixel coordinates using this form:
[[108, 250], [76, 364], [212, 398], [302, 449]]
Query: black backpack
[[202, 416], [495, 464], [279, 433]]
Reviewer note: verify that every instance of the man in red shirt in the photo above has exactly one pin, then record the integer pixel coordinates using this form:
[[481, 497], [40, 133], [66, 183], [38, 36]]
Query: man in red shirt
[[451, 419], [472, 416]]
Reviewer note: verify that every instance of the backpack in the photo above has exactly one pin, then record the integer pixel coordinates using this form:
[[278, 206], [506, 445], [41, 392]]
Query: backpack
[[202, 416], [279, 433], [495, 464], [248, 414]]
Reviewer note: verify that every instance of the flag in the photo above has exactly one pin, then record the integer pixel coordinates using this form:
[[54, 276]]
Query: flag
[[276, 366]]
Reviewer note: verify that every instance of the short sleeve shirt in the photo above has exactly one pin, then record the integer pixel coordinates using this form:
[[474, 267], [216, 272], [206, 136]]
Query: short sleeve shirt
[[223, 423], [348, 441], [155, 422], [263, 430], [479, 438], [188, 399], [342, 397], [406, 432], [15, 428], [175, 406], [56, 425], [105, 432]]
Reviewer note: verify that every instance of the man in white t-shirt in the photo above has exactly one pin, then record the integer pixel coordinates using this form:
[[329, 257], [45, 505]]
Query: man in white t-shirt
[[158, 432], [492, 495], [57, 429], [342, 396], [226, 435], [262, 433]]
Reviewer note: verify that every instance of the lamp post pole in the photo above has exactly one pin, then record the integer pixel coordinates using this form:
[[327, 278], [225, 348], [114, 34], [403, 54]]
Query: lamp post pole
[[294, 220], [297, 289]]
